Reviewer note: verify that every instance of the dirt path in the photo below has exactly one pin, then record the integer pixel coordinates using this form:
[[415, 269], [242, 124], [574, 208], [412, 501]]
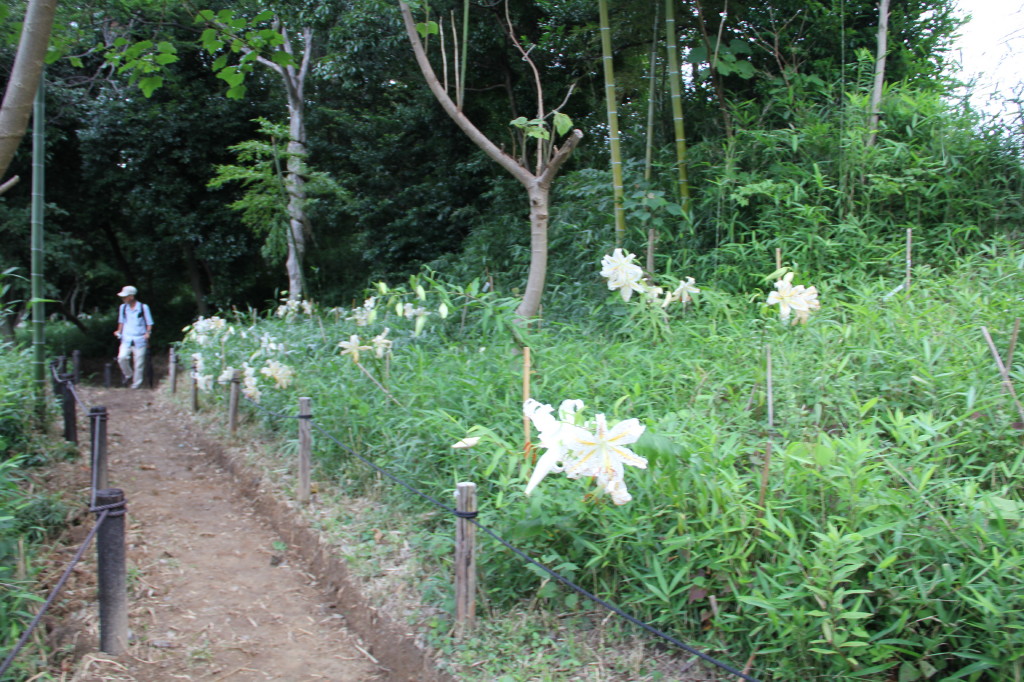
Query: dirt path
[[214, 594]]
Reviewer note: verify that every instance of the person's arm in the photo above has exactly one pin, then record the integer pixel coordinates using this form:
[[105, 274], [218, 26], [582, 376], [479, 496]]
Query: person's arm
[[148, 317], [117, 332]]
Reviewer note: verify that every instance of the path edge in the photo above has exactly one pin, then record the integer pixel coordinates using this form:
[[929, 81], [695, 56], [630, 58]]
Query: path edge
[[391, 644]]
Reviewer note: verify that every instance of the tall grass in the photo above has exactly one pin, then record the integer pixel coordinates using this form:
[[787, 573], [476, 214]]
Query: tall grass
[[889, 542]]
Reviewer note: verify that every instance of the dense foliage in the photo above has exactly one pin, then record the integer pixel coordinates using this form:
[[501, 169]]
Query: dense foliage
[[892, 491], [27, 516]]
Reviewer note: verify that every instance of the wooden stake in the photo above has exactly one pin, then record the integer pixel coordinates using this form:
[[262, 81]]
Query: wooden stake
[[910, 241], [651, 237], [236, 380], [465, 560], [771, 427], [173, 367], [527, 445], [1007, 383], [1013, 343], [778, 258], [305, 447]]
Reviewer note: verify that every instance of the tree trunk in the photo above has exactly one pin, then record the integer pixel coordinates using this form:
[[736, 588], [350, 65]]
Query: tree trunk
[[195, 278], [297, 219], [21, 88], [880, 52], [538, 186], [530, 305]]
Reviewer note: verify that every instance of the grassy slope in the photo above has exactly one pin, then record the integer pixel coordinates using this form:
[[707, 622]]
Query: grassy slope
[[890, 538]]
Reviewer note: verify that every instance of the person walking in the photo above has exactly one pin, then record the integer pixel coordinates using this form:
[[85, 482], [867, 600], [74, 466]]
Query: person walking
[[134, 325]]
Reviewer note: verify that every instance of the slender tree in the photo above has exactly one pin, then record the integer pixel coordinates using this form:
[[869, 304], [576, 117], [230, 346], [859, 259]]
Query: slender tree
[[880, 52], [536, 182], [289, 58], [21, 88]]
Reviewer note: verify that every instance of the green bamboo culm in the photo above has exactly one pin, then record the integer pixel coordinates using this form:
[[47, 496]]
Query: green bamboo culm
[[465, 53], [676, 89], [38, 186], [651, 90], [613, 122]]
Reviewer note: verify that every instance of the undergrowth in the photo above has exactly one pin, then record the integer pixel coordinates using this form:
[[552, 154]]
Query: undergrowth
[[888, 545]]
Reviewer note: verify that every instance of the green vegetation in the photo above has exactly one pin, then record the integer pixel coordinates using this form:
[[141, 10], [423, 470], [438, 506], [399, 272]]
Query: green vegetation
[[889, 540], [27, 517]]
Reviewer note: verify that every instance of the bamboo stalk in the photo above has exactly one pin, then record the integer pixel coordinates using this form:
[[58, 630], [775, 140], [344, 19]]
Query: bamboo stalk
[[613, 122], [676, 92], [1007, 384]]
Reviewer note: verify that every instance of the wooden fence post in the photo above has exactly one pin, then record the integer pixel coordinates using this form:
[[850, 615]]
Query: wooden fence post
[[236, 379], [98, 440], [107, 374], [195, 389], [305, 447], [111, 574], [76, 366], [172, 365], [67, 400], [465, 559]]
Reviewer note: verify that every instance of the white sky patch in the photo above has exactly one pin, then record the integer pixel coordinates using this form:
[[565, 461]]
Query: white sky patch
[[991, 52]]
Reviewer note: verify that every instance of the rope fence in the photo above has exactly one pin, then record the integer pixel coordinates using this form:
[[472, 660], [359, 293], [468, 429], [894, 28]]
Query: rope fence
[[109, 530], [470, 517]]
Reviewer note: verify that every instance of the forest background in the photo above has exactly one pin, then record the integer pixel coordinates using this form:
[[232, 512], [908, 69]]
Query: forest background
[[175, 163], [776, 147]]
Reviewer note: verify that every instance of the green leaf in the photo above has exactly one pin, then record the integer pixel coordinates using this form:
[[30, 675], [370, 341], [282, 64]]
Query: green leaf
[[909, 672], [563, 124], [150, 84], [164, 59], [282, 58], [427, 28]]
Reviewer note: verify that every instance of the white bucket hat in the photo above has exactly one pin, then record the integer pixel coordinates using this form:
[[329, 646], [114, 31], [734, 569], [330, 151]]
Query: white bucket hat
[[127, 291]]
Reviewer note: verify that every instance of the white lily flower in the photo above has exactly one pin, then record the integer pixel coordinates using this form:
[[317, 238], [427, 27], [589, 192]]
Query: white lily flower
[[442, 310], [420, 292], [467, 442], [352, 347], [381, 344], [226, 376], [794, 298], [555, 435], [382, 288], [602, 454], [204, 382], [617, 262], [622, 273], [682, 292], [281, 374]]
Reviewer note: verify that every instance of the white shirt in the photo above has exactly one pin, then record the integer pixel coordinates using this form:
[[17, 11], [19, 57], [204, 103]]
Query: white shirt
[[134, 320]]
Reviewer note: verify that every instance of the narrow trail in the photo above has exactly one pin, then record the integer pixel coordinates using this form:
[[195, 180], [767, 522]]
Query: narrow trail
[[213, 593]]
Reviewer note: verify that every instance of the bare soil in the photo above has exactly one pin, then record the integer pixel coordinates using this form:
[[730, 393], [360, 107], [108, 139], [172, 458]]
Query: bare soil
[[225, 580]]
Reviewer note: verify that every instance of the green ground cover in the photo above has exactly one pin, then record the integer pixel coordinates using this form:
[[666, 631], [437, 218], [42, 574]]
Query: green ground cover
[[28, 515], [888, 545]]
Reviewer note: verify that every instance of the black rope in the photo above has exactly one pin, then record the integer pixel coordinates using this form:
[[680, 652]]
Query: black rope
[[74, 394], [471, 517], [104, 513], [111, 509]]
